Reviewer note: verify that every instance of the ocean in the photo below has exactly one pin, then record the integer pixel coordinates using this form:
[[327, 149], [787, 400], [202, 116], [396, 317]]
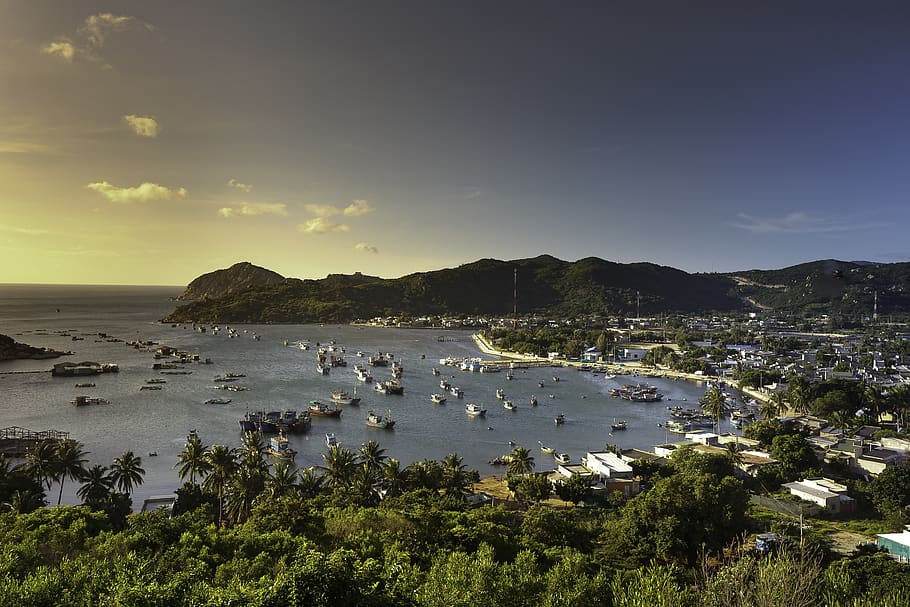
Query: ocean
[[71, 318]]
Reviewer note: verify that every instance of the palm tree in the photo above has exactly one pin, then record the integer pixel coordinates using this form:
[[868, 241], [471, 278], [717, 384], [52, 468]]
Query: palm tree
[[340, 464], [245, 486], [733, 454], [715, 403], [282, 481], [520, 461], [798, 393], [96, 485], [251, 453], [394, 477], [69, 463], [222, 464], [311, 482], [372, 456], [41, 462], [23, 501], [193, 460], [455, 477], [898, 402], [127, 472]]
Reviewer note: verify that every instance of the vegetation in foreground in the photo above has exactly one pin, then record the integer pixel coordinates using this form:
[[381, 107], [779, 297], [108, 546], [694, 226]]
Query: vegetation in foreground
[[362, 530]]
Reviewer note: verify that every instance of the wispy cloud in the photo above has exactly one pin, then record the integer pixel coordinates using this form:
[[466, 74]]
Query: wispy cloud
[[144, 192], [24, 231], [321, 225], [321, 210], [62, 49], [144, 126], [358, 208], [23, 147], [253, 209], [799, 223], [91, 36], [233, 183], [365, 247]]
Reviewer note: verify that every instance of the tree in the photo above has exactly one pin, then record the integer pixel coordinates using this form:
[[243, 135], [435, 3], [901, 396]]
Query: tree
[[455, 476], [393, 477], [193, 460], [794, 454], [310, 482], [372, 456], [127, 472], [520, 461], [891, 489], [533, 487], [340, 463], [97, 484], [282, 481], [245, 486], [222, 464], [41, 461], [69, 462], [574, 489], [715, 403]]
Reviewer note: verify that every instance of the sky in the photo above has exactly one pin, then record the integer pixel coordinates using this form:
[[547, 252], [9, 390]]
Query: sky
[[150, 142]]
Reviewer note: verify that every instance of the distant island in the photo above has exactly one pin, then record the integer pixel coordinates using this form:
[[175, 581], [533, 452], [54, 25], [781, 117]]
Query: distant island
[[545, 285], [13, 350]]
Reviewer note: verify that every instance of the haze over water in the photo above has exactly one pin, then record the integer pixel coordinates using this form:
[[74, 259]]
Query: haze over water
[[281, 377]]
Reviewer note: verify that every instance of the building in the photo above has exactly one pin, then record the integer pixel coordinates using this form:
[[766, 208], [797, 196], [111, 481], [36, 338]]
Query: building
[[896, 544], [825, 493], [632, 354], [591, 355]]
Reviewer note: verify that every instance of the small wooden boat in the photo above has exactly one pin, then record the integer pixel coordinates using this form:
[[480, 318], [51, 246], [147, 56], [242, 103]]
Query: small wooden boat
[[321, 409], [546, 448], [375, 420]]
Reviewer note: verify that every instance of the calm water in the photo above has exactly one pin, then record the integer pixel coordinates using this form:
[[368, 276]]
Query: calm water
[[281, 377]]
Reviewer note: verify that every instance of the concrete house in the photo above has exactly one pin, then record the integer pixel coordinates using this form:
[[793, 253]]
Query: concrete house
[[825, 493]]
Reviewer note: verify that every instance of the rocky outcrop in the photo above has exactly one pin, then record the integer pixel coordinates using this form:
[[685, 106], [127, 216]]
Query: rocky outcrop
[[13, 350], [221, 283]]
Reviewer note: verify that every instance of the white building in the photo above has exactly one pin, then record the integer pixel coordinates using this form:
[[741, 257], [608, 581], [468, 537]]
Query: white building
[[824, 492]]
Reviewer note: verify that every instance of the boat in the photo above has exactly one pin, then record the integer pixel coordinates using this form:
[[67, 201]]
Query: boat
[[375, 420], [150, 388], [330, 440], [271, 422], [562, 458], [85, 385], [320, 409], [217, 401], [618, 425], [250, 422], [378, 361], [456, 391], [500, 394], [445, 385], [341, 397], [176, 372], [559, 419], [475, 410], [393, 386], [280, 448], [609, 376], [533, 400], [381, 387], [439, 399], [322, 368], [546, 448], [509, 405], [155, 380], [363, 375], [435, 372], [81, 401]]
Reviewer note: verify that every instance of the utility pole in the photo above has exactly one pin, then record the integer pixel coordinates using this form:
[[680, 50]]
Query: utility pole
[[515, 299]]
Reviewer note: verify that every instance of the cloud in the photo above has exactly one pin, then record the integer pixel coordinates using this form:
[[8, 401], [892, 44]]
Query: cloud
[[25, 231], [799, 223], [358, 208], [321, 225], [91, 36], [253, 209], [365, 247], [144, 126], [321, 210], [233, 183], [97, 27], [141, 193], [23, 147], [61, 49]]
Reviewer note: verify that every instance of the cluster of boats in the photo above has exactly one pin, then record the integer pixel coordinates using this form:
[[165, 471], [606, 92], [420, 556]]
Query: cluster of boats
[[275, 422], [638, 392]]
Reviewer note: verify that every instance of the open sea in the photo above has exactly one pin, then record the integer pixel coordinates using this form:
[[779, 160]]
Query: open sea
[[280, 377]]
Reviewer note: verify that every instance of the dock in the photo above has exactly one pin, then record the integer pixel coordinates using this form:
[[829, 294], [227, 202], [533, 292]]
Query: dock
[[17, 442]]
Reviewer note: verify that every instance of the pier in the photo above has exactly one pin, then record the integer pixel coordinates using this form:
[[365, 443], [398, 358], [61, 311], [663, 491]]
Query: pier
[[17, 442]]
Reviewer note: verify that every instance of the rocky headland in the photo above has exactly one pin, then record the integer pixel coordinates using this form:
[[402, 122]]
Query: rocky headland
[[11, 349]]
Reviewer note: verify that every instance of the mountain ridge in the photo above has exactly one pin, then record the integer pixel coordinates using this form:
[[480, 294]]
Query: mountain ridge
[[545, 285]]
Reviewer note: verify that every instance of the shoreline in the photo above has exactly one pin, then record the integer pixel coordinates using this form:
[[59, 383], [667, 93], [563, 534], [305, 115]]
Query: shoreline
[[631, 368]]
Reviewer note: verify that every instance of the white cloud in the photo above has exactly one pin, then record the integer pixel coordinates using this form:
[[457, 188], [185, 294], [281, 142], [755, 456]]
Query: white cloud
[[233, 183], [253, 209], [144, 126], [97, 27], [23, 147], [141, 193], [799, 223], [358, 208], [91, 36], [62, 49], [25, 231], [321, 225], [366, 247], [321, 210]]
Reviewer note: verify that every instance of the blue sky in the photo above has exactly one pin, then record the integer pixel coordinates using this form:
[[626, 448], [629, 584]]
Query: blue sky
[[149, 142]]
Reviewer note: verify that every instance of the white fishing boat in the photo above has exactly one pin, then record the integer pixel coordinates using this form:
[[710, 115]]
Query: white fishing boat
[[475, 410]]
